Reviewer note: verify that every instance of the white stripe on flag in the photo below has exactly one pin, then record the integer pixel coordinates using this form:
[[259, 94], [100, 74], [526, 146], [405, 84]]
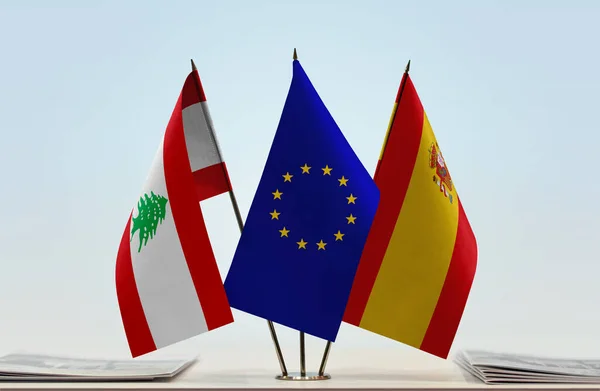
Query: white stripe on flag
[[201, 147], [163, 280]]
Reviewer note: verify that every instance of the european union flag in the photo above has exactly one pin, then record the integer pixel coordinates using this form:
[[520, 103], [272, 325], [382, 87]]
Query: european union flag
[[308, 223]]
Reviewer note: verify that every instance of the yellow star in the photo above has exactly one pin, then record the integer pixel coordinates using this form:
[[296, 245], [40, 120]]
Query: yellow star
[[351, 219], [321, 245], [284, 232], [351, 199], [274, 214], [301, 244], [338, 236], [277, 195], [343, 181], [287, 177], [305, 169], [327, 170]]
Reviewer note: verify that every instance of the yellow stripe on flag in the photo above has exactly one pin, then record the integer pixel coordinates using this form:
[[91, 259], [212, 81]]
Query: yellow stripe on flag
[[414, 267]]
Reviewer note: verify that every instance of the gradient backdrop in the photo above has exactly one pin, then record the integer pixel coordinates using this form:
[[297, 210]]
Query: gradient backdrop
[[510, 88]]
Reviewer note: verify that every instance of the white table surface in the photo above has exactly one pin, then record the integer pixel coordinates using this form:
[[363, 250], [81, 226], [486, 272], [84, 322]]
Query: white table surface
[[371, 369]]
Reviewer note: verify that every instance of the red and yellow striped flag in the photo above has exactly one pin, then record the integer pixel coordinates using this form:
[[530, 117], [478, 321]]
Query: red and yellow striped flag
[[419, 261]]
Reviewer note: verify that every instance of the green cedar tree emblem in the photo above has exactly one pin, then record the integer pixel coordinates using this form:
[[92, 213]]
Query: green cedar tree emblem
[[151, 212]]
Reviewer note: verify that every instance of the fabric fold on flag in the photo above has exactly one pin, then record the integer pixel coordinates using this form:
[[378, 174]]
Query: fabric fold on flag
[[420, 258], [168, 284], [307, 225]]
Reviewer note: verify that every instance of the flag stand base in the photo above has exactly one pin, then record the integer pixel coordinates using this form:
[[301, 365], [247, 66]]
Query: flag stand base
[[303, 375], [309, 376]]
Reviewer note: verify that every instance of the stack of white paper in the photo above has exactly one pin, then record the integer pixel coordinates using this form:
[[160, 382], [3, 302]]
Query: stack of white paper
[[503, 368], [34, 367]]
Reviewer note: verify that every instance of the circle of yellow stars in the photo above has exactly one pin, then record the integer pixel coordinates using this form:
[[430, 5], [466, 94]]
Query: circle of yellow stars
[[321, 245]]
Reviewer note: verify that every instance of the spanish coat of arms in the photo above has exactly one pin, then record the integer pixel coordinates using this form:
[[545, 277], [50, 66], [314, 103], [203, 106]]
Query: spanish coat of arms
[[442, 176]]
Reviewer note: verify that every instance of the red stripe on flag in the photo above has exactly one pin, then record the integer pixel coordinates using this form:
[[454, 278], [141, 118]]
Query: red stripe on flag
[[132, 313], [190, 225], [211, 181], [393, 177], [192, 93], [455, 292]]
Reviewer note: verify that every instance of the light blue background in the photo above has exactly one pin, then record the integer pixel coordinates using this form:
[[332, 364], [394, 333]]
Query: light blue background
[[510, 87]]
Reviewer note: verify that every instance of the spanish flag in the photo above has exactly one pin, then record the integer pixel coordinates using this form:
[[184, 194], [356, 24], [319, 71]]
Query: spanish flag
[[420, 257]]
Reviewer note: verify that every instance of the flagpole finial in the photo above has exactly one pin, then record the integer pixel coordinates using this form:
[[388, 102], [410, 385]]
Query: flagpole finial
[[407, 67], [295, 54], [193, 65]]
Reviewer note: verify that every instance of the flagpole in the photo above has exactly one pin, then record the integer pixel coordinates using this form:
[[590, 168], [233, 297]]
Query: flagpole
[[238, 215], [324, 359], [393, 117], [302, 356], [302, 342], [387, 136]]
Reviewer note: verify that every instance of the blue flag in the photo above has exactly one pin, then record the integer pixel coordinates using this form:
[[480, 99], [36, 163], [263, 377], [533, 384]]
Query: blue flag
[[308, 223]]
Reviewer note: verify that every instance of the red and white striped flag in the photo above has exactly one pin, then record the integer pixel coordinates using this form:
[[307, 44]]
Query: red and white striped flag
[[168, 283]]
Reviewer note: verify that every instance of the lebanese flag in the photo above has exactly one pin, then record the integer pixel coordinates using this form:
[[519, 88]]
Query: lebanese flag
[[168, 284]]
